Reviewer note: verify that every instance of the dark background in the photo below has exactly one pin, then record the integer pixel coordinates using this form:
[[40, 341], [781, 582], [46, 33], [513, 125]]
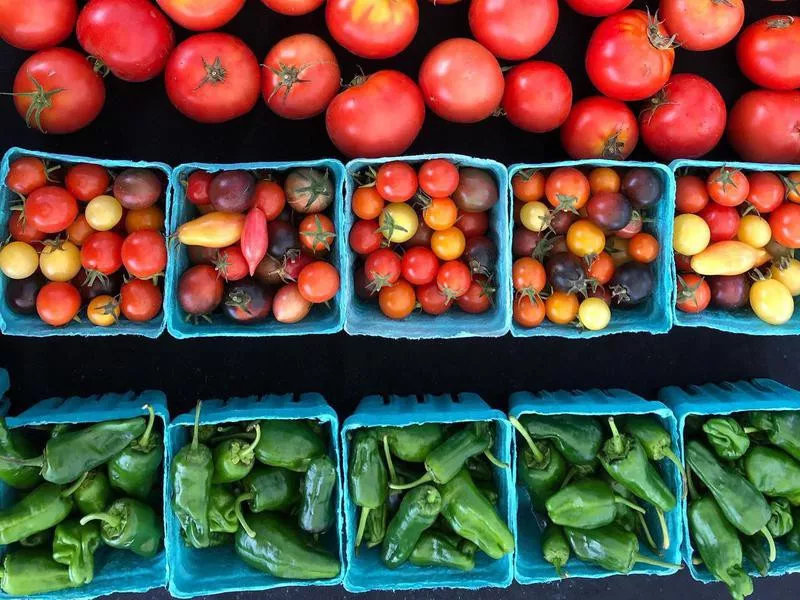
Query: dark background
[[138, 122]]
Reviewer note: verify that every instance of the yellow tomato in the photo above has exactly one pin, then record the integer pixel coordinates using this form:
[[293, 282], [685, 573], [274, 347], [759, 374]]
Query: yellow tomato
[[561, 308], [103, 311], [788, 274], [603, 179], [771, 301], [448, 244], [594, 314], [18, 260], [585, 238], [754, 231], [398, 222], [103, 213], [60, 261], [728, 258], [691, 235], [534, 215]]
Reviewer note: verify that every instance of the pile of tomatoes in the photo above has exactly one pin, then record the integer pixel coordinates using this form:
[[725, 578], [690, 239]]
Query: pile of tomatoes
[[421, 238], [578, 244], [735, 239], [259, 246], [81, 236]]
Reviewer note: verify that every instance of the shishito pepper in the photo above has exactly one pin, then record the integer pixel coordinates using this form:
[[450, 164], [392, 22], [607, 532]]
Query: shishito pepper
[[377, 522], [368, 478], [93, 493], [555, 548], [44, 507], [14, 444], [319, 485], [234, 458], [271, 488], [222, 510], [129, 524], [74, 545], [288, 444], [30, 571], [773, 473], [417, 513], [655, 440], [578, 438], [755, 550], [727, 437], [434, 550], [781, 521], [540, 467], [610, 547], [134, 470], [781, 427], [413, 443], [586, 504]]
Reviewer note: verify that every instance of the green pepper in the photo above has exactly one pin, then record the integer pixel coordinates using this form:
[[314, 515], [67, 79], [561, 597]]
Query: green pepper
[[319, 486], [282, 551], [32, 571], [467, 547], [781, 427], [773, 473], [288, 444], [14, 444], [375, 530], [368, 478], [555, 548], [234, 458], [719, 546], [271, 488], [792, 539], [480, 469], [129, 524], [417, 513], [217, 538], [610, 547], [756, 552], [44, 507], [586, 504], [222, 510], [40, 538], [134, 470], [413, 443], [655, 440], [578, 438], [74, 545], [93, 494], [434, 550], [727, 437], [540, 468], [473, 517], [578, 472], [626, 516], [781, 521], [489, 491]]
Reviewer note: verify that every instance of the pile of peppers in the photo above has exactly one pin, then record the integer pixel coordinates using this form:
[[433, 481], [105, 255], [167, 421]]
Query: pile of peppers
[[79, 488], [426, 494], [593, 487], [267, 488], [744, 484]]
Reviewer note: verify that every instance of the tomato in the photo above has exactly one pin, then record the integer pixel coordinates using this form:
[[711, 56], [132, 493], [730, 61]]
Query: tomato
[[397, 301], [293, 7], [754, 231], [103, 213], [594, 314], [213, 77], [431, 300], [599, 127], [200, 290], [419, 265], [57, 91], [102, 253], [728, 187], [788, 274], [365, 237], [60, 260], [438, 178], [440, 214], [79, 230], [20, 230], [86, 181], [478, 298], [316, 232], [396, 181], [378, 115], [477, 190], [367, 202], [269, 196], [140, 300], [771, 301], [691, 194], [702, 24], [694, 294], [201, 15], [528, 276], [567, 189], [632, 228], [398, 222], [691, 234], [58, 303], [537, 96], [50, 209], [723, 221], [610, 211], [535, 216], [18, 260], [528, 185], [289, 306], [529, 312], [448, 244], [461, 81], [37, 24], [601, 268], [767, 191], [373, 28], [762, 126], [382, 268], [473, 224], [26, 174], [768, 52], [144, 254], [561, 308], [603, 179], [630, 56], [513, 29], [318, 282], [785, 224], [140, 219], [598, 8], [103, 311], [683, 264], [584, 238], [230, 263], [792, 184], [197, 187], [453, 279], [643, 248], [300, 76]]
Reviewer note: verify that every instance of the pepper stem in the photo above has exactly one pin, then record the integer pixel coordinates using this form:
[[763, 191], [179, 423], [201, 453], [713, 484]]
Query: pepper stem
[[670, 455], [407, 486], [240, 515], [690, 484], [537, 454], [494, 460], [362, 525], [657, 563], [664, 530], [151, 420], [74, 487], [560, 571], [196, 434], [569, 477], [247, 450], [102, 516], [629, 504], [771, 543], [647, 535], [619, 447], [697, 561], [749, 430], [389, 461]]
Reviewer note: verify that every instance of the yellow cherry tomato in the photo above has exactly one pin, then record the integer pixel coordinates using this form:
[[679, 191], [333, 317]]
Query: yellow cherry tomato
[[60, 260], [398, 222], [561, 308], [729, 258], [603, 179], [788, 273], [534, 215], [103, 311], [103, 213], [448, 244], [440, 214], [754, 231], [18, 260], [594, 314], [691, 235], [585, 238], [771, 301]]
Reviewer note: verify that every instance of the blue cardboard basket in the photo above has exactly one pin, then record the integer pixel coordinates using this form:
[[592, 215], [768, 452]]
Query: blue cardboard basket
[[365, 571], [743, 320], [366, 318], [116, 571], [321, 319], [219, 570], [4, 385], [12, 323], [530, 567], [653, 316], [725, 399]]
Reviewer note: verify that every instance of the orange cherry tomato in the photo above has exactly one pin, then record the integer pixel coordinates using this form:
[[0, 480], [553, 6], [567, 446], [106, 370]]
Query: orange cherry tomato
[[317, 233], [397, 301], [440, 214], [528, 185], [367, 203], [728, 187], [792, 184], [585, 238], [561, 308], [529, 312], [79, 230], [602, 268], [691, 194], [567, 189], [643, 248], [528, 275], [448, 244], [145, 219], [604, 179]]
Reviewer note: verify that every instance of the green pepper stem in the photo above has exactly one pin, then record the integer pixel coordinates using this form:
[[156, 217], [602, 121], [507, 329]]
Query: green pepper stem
[[494, 460], [102, 516], [560, 571], [664, 530], [749, 430], [151, 421], [231, 436], [647, 535], [619, 447], [770, 542], [196, 434], [690, 484], [362, 525], [697, 561], [248, 450], [670, 455], [74, 487], [569, 477], [240, 515], [656, 563], [629, 504], [389, 461], [537, 454], [37, 461], [407, 486]]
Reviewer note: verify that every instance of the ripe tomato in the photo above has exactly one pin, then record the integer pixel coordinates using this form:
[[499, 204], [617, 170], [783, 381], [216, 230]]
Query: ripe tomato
[[79, 230], [785, 224], [139, 219], [630, 56], [604, 179], [438, 178], [200, 290], [382, 268], [788, 274], [293, 7], [768, 52], [103, 311], [50, 209], [537, 96], [473, 224], [529, 312], [103, 213], [398, 222], [431, 300], [201, 15], [762, 126], [692, 233], [567, 189], [18, 260], [771, 301], [102, 252], [57, 91], [478, 298], [528, 185], [367, 202], [601, 268], [440, 214], [213, 77], [270, 197], [694, 294], [766, 191], [528, 276], [300, 76], [26, 174], [378, 115], [318, 282], [513, 29], [140, 300], [584, 238], [197, 188], [691, 194], [60, 260], [397, 301], [599, 127], [144, 254], [448, 244], [317, 232], [728, 187], [37, 24], [373, 28], [535, 216], [289, 306], [461, 81], [561, 308], [58, 303], [453, 279], [86, 181], [598, 8], [365, 236], [702, 24], [419, 265], [723, 221], [754, 231], [21, 230], [594, 314], [230, 263], [396, 181], [643, 248]]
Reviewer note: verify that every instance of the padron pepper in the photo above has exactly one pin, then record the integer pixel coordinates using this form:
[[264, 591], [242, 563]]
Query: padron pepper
[[577, 437], [134, 470], [288, 444], [555, 548], [467, 547], [773, 473], [792, 539], [74, 545], [413, 443], [782, 429], [217, 538], [42, 508], [93, 493], [540, 467], [234, 458], [626, 516], [582, 471], [781, 521], [368, 478], [434, 550], [129, 524], [270, 488], [14, 444], [586, 504], [417, 513], [610, 547], [727, 437], [655, 440], [377, 522], [30, 571], [756, 552], [319, 486], [222, 510]]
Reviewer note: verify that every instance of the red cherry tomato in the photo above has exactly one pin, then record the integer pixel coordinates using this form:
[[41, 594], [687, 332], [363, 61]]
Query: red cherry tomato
[[438, 178], [762, 126], [270, 197], [293, 8], [197, 188], [598, 8], [365, 236], [396, 181], [454, 278], [478, 298], [702, 24], [50, 209], [431, 300], [691, 194], [382, 268], [473, 224], [768, 52], [419, 265], [513, 29], [723, 221], [37, 24], [102, 252], [728, 187], [537, 96], [599, 127], [58, 303], [694, 294], [230, 264], [26, 174], [373, 28], [318, 282], [767, 191], [21, 230], [785, 224], [144, 254], [140, 300], [201, 15], [86, 181]]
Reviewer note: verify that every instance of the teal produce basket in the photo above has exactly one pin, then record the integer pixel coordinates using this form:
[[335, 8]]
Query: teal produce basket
[[321, 319], [364, 318], [653, 316], [4, 385], [743, 320], [116, 571], [530, 567], [726, 399], [219, 570], [365, 571], [12, 323]]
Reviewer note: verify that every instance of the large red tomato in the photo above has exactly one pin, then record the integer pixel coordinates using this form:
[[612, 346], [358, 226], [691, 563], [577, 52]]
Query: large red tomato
[[686, 119], [768, 52], [293, 8], [201, 15], [461, 81], [132, 37], [36, 24], [300, 76], [213, 77], [598, 8], [378, 115], [764, 126], [58, 91], [600, 127], [513, 29], [630, 56], [373, 28], [537, 96], [702, 24]]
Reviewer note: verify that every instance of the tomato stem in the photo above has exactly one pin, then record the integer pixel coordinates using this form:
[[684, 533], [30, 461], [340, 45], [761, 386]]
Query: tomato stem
[[41, 100], [215, 73]]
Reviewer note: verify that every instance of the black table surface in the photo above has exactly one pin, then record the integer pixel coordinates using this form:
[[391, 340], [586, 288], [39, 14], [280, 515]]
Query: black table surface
[[138, 122]]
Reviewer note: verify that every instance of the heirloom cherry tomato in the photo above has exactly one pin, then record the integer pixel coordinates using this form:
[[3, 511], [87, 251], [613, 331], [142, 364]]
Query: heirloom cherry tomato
[[318, 282], [317, 233], [754, 231], [58, 303], [728, 187], [785, 224], [771, 301], [21, 293], [567, 189], [140, 300], [87, 181], [599, 127], [197, 187], [528, 185], [478, 298], [642, 187], [598, 8], [537, 96], [431, 300], [694, 293], [367, 203], [643, 248], [691, 234], [788, 274], [767, 191], [603, 179], [141, 219], [79, 230], [373, 28], [730, 292], [480, 254], [535, 216], [200, 290], [601, 268], [513, 29], [691, 194], [473, 224], [22, 231], [762, 126], [289, 306], [230, 264], [453, 279], [201, 15], [37, 24], [528, 276], [448, 244], [382, 268], [398, 222], [440, 214], [103, 311], [529, 311], [269, 196], [438, 178], [293, 7], [609, 210], [768, 52], [101, 253], [60, 260], [584, 238], [365, 237], [477, 190], [18, 260], [26, 174], [594, 314], [144, 254], [723, 221], [702, 24], [396, 181], [397, 301], [419, 265], [103, 213], [50, 209], [561, 308]]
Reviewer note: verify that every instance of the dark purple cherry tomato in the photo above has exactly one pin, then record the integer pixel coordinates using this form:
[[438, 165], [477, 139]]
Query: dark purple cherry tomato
[[282, 238], [91, 288], [525, 242], [422, 237], [565, 273], [642, 187], [200, 255], [247, 301], [269, 270], [561, 221], [557, 245], [476, 191], [200, 290], [730, 291], [137, 188], [232, 191], [21, 293], [632, 284], [481, 255], [609, 210]]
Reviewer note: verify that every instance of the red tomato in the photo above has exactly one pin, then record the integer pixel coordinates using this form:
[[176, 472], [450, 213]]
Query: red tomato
[[365, 236], [537, 96], [767, 191], [728, 187], [694, 294], [57, 91], [478, 298], [473, 224], [37, 24], [529, 311], [201, 15], [419, 265], [431, 300], [57, 303], [102, 252], [50, 209], [140, 300], [316, 233], [230, 263], [213, 77], [197, 188], [702, 24], [289, 306], [513, 29], [378, 115], [382, 268], [599, 127], [768, 52], [397, 301], [454, 278], [686, 119], [144, 254], [598, 8], [300, 76], [200, 290], [691, 194], [438, 178], [270, 197], [630, 56], [373, 28], [785, 225], [21, 230], [396, 181], [723, 221], [293, 7], [131, 37], [26, 174], [86, 181], [762, 126], [318, 282]]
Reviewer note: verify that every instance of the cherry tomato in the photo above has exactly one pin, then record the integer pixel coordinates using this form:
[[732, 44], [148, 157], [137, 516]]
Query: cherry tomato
[[144, 254], [785, 224], [201, 15], [762, 126], [230, 263], [398, 222], [140, 300], [473, 224], [26, 174], [197, 187], [567, 189], [21, 230], [594, 314], [448, 244], [561, 308], [528, 185], [601, 268], [397, 301], [792, 184], [528, 276], [318, 282], [513, 29], [584, 238], [535, 216], [102, 252], [103, 311], [599, 127], [478, 298], [728, 187], [643, 248], [200, 290], [610, 211], [365, 237], [396, 181], [694, 294], [438, 178], [79, 230], [683, 264], [86, 181], [431, 300], [632, 228], [537, 96], [768, 52], [317, 232], [691, 234], [702, 24], [18, 260], [103, 213], [440, 214], [382, 268], [598, 8], [788, 274], [293, 7], [419, 265], [269, 196], [730, 292], [453, 279], [691, 194], [754, 231], [373, 28], [60, 260], [37, 24], [529, 312], [603, 179], [771, 301], [289, 306], [367, 202], [723, 221], [50, 209], [140, 219], [58, 303], [766, 191]]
